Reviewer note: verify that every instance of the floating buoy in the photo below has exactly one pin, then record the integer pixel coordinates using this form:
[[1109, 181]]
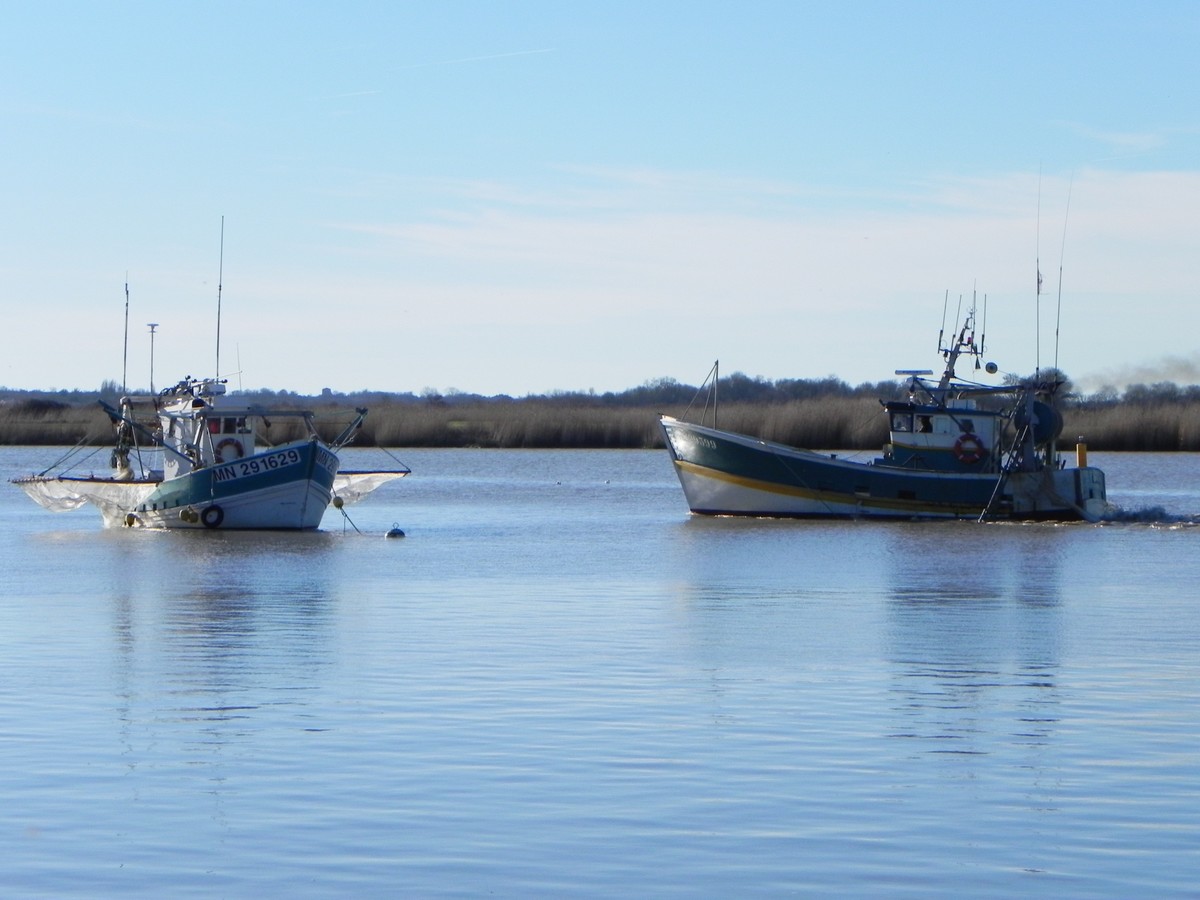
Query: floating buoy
[[394, 531], [338, 502], [131, 520]]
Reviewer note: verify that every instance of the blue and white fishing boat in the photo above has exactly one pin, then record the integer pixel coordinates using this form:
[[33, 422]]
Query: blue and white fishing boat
[[215, 466], [958, 450], [199, 458]]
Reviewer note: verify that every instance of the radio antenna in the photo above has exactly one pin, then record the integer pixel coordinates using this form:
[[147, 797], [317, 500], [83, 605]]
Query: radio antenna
[[125, 354], [942, 330], [1062, 256], [220, 278]]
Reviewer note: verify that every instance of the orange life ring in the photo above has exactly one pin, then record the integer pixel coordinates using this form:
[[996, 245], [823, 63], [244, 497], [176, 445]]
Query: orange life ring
[[969, 449], [233, 444]]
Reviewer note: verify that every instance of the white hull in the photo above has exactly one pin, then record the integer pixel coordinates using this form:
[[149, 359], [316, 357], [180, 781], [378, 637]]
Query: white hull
[[298, 505]]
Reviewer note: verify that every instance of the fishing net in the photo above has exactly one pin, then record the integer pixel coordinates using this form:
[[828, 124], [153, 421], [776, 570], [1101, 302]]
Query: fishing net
[[113, 498], [353, 486]]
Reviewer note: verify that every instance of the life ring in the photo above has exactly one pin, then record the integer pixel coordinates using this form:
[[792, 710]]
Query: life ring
[[213, 516], [232, 444], [969, 449]]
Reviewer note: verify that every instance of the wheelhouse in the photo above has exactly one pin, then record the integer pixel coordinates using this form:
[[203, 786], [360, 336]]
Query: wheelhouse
[[957, 438]]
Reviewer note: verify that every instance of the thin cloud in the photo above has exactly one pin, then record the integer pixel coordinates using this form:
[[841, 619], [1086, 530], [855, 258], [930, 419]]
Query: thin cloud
[[1122, 144]]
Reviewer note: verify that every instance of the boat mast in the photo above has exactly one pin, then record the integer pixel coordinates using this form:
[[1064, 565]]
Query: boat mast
[[125, 354], [957, 343], [1037, 308], [220, 278], [942, 330], [1062, 255]]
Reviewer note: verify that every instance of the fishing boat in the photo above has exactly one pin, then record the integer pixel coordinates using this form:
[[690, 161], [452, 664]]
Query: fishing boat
[[217, 468], [958, 450]]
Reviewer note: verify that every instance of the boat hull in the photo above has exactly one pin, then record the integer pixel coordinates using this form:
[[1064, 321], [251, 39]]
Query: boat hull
[[725, 473], [285, 488]]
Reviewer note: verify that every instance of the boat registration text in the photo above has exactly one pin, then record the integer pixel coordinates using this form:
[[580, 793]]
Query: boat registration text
[[256, 465]]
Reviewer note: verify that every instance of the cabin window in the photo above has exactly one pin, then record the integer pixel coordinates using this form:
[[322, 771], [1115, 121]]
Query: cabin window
[[901, 422], [968, 425], [924, 424], [229, 425]]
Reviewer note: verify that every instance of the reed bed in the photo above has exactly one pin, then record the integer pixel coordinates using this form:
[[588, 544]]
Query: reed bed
[[516, 424], [831, 422], [38, 422], [823, 422], [1132, 426]]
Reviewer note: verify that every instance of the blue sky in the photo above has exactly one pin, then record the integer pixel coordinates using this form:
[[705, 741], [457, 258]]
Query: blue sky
[[534, 196]]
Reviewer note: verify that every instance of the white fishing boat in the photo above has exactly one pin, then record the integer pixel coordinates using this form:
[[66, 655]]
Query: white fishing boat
[[192, 456], [201, 458], [958, 449]]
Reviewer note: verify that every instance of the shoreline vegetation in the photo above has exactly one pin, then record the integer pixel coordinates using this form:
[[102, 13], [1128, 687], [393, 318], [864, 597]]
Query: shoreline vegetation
[[819, 414]]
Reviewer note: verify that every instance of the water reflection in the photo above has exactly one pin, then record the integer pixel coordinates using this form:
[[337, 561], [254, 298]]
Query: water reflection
[[974, 636], [219, 629]]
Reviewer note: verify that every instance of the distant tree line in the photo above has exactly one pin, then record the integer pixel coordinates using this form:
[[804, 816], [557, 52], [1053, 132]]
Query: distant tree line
[[823, 413], [658, 392]]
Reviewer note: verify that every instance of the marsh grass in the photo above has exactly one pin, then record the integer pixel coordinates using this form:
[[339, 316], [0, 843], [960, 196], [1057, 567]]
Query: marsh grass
[[825, 422], [1135, 426], [524, 424], [832, 422], [41, 422]]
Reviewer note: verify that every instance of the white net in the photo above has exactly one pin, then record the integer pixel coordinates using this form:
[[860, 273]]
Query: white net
[[353, 486], [113, 498]]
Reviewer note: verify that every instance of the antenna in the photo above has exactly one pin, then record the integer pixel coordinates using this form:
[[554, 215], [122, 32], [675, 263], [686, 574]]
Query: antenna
[[983, 330], [125, 355], [1037, 255], [220, 278], [1062, 254], [152, 326], [942, 330]]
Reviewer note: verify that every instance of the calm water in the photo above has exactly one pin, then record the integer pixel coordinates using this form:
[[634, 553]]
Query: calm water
[[560, 684]]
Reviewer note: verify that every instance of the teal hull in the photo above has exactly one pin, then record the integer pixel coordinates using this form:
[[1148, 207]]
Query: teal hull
[[725, 473], [288, 487]]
